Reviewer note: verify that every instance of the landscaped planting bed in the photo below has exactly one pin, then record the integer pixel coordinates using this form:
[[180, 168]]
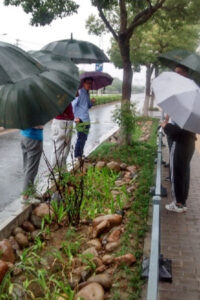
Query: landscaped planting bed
[[87, 243]]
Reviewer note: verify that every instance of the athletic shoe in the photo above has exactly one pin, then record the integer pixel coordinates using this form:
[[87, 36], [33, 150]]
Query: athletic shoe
[[185, 208], [175, 208]]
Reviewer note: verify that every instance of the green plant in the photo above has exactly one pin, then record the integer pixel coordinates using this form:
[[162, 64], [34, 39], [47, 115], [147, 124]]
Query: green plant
[[87, 260], [125, 118]]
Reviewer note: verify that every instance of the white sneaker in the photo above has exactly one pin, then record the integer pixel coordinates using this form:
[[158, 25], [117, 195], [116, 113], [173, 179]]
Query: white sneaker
[[185, 208], [175, 208]]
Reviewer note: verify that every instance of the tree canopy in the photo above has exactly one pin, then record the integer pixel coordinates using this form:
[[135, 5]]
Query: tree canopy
[[45, 11]]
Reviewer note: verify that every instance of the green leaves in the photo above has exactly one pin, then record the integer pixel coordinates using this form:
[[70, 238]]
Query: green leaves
[[45, 11]]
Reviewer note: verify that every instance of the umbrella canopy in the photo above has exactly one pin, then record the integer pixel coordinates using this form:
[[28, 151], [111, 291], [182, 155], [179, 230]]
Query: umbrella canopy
[[184, 58], [16, 64], [78, 51], [180, 98], [34, 97], [100, 79], [56, 62]]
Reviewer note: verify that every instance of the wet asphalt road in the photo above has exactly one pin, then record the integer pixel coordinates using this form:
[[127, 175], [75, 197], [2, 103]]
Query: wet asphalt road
[[11, 174]]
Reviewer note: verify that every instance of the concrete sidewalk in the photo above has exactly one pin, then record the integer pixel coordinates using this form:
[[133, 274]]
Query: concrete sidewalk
[[180, 240]]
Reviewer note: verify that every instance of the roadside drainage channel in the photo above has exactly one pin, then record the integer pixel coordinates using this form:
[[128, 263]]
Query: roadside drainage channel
[[16, 213]]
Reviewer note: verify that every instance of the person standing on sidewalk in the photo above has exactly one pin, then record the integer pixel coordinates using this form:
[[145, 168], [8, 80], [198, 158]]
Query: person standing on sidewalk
[[32, 147], [61, 129], [182, 150], [81, 105]]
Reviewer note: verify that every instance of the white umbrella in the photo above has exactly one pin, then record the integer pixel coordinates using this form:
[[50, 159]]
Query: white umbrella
[[179, 97]]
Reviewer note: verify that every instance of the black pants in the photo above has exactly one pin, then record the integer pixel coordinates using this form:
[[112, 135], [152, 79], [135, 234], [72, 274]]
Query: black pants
[[181, 155]]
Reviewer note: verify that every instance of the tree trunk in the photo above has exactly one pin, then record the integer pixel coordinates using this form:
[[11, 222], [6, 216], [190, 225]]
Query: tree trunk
[[124, 45], [127, 69], [147, 90]]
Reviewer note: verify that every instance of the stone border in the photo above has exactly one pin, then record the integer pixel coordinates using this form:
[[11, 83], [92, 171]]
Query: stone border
[[16, 213]]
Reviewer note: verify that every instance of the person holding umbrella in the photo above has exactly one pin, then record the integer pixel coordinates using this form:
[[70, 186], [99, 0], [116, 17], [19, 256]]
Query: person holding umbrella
[[182, 150], [81, 105]]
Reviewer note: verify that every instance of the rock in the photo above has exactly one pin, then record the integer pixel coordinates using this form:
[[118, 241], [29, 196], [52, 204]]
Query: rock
[[123, 166], [115, 193], [128, 259], [103, 279], [18, 230], [132, 169], [94, 243], [131, 189], [22, 240], [100, 269], [16, 271], [114, 236], [83, 273], [100, 228], [112, 246], [119, 183], [28, 226], [74, 280], [37, 221], [92, 291], [6, 251], [114, 220], [128, 175], [35, 234], [3, 269], [18, 292], [13, 243], [107, 259], [100, 164], [91, 250], [113, 166], [97, 261], [42, 210]]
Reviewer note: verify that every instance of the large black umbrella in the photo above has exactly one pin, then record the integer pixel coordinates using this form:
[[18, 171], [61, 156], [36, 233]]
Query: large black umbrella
[[185, 58], [30, 94], [57, 62], [77, 51]]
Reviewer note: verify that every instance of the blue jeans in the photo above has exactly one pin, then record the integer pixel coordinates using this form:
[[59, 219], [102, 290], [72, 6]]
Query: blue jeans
[[82, 134]]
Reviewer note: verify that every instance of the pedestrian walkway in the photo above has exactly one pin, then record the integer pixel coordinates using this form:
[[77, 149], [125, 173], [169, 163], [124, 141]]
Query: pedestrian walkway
[[180, 240]]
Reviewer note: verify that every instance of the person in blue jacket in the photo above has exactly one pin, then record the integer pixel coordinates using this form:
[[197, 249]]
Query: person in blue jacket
[[81, 105]]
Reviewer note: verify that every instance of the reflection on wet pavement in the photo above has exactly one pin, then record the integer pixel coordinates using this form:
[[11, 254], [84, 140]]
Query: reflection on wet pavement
[[11, 175]]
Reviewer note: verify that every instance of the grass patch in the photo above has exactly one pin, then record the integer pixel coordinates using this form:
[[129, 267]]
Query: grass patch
[[103, 99]]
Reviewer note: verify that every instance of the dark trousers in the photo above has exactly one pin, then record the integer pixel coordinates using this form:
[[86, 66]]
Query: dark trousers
[[181, 156], [82, 134]]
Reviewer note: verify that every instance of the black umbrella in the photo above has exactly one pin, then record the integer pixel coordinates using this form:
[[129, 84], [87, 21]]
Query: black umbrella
[[77, 51], [30, 93], [185, 58]]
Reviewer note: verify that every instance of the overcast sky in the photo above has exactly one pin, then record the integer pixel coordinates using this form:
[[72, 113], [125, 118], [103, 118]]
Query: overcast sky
[[15, 27]]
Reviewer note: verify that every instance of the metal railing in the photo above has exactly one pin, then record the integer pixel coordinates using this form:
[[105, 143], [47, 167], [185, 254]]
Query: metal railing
[[156, 267], [154, 261]]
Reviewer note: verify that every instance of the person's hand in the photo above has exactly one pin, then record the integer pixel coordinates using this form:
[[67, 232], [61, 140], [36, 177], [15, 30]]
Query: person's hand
[[93, 100], [163, 124], [77, 120]]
